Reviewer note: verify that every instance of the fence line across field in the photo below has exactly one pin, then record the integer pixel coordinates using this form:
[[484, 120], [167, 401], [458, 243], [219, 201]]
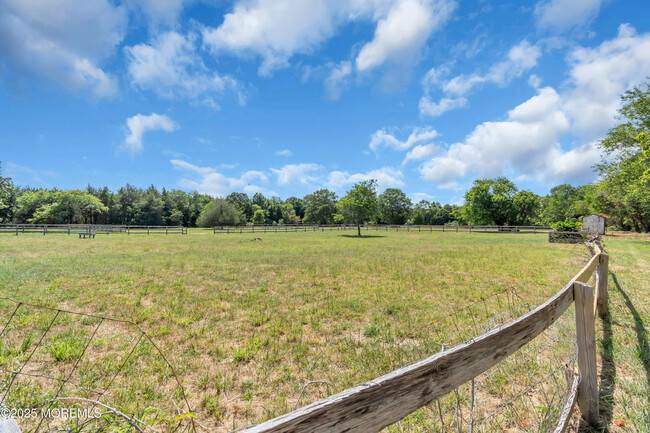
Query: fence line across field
[[291, 228], [71, 229]]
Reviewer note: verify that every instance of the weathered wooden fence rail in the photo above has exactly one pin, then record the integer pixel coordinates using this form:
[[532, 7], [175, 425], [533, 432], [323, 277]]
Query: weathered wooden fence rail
[[383, 401], [88, 228], [291, 228]]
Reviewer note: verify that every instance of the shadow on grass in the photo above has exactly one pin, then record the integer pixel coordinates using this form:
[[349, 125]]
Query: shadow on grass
[[607, 373], [643, 347], [362, 236]]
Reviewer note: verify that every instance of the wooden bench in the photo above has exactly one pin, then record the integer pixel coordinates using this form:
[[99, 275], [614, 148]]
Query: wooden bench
[[85, 234]]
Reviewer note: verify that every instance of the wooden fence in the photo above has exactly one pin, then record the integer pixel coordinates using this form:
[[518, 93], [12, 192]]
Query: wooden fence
[[376, 227], [89, 228], [383, 401]]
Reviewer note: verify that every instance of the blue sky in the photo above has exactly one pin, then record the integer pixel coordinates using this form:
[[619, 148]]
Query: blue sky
[[288, 96]]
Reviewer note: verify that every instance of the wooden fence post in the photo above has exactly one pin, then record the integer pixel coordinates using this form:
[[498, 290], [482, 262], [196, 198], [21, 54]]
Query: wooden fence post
[[586, 338], [601, 272]]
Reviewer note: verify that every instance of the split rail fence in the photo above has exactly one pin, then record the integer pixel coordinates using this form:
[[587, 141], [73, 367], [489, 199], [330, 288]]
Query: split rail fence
[[383, 401], [89, 228], [289, 228]]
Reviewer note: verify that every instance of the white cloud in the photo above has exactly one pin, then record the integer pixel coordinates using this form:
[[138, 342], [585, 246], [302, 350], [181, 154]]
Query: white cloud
[[400, 35], [140, 123], [381, 139], [171, 66], [600, 75], [62, 41], [561, 15], [527, 145], [527, 142], [208, 180], [303, 174], [386, 177], [521, 58], [430, 108], [419, 196], [284, 152], [159, 13], [337, 79], [276, 30], [420, 152]]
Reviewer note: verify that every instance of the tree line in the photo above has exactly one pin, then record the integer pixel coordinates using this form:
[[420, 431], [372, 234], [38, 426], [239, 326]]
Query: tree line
[[622, 192]]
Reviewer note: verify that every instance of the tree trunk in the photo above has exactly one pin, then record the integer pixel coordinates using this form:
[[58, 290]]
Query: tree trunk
[[359, 229]]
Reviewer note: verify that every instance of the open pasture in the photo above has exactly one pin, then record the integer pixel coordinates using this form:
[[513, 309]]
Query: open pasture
[[248, 323]]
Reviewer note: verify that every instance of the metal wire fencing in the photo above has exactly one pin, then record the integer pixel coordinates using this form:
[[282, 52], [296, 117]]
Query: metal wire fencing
[[524, 393], [65, 371]]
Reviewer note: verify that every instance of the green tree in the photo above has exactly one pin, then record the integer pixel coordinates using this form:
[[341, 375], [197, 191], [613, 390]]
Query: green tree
[[289, 215], [219, 212], [243, 203], [149, 209], [525, 208], [67, 207], [625, 168], [298, 206], [7, 198], [489, 201], [420, 211], [259, 216], [558, 204], [320, 207], [360, 203], [394, 207], [30, 202]]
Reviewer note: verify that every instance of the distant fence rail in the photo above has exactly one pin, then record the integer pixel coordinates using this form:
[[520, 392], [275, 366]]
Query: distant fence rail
[[89, 228], [383, 401], [291, 228]]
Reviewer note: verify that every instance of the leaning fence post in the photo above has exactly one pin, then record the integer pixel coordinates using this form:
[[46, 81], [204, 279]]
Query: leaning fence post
[[586, 339], [602, 270]]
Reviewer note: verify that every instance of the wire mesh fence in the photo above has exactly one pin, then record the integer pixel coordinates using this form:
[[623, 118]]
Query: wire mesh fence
[[70, 372], [524, 393]]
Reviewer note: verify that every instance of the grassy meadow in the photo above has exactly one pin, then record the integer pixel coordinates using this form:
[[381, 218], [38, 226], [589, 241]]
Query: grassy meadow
[[246, 324]]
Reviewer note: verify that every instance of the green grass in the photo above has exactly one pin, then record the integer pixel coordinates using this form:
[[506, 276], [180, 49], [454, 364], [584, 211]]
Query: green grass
[[228, 312]]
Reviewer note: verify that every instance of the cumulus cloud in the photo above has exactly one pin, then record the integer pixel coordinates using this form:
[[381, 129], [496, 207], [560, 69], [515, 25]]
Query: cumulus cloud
[[159, 13], [276, 30], [420, 152], [527, 142], [527, 145], [297, 174], [284, 152], [419, 196], [208, 180], [428, 107], [337, 79], [386, 177], [599, 76], [382, 139], [64, 42], [562, 15], [521, 58], [399, 36], [140, 123], [170, 66]]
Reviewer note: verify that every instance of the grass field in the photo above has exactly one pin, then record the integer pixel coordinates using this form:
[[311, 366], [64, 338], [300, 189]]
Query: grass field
[[247, 323]]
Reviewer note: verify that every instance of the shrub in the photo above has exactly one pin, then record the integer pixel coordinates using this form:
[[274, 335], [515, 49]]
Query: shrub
[[219, 212], [568, 225]]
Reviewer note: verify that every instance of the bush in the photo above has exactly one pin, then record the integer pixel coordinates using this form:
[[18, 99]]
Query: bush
[[568, 225], [219, 212]]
